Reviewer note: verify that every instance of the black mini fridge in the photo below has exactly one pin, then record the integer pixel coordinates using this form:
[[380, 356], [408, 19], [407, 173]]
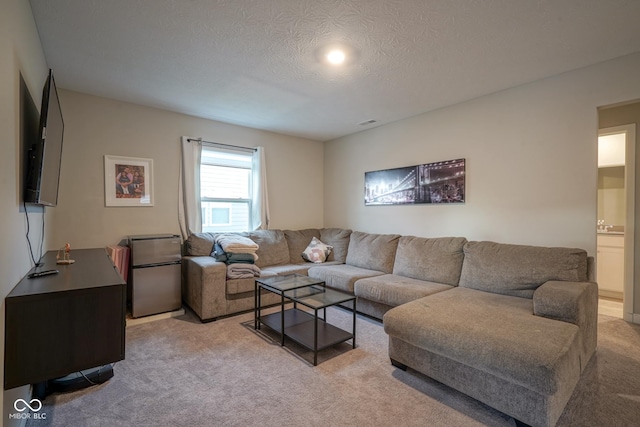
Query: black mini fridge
[[154, 280]]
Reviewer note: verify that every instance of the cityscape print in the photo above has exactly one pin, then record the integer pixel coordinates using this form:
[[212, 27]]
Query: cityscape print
[[439, 182]]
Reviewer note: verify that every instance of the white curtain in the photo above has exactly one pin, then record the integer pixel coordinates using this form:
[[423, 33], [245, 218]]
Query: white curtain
[[190, 207], [260, 202]]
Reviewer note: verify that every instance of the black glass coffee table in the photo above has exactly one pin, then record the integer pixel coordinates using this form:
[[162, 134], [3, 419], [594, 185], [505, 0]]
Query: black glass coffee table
[[306, 327]]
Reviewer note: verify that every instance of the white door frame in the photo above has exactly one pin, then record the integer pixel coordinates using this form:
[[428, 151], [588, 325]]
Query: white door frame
[[629, 227]]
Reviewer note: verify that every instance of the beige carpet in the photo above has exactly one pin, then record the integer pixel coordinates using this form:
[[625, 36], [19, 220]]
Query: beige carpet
[[179, 372]]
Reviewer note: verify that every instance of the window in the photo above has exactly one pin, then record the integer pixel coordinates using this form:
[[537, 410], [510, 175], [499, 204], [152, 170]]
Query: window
[[225, 189]]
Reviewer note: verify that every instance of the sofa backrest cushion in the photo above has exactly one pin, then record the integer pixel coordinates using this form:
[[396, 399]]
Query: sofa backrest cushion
[[372, 251], [297, 241], [338, 238], [434, 260], [518, 270], [199, 244], [273, 248]]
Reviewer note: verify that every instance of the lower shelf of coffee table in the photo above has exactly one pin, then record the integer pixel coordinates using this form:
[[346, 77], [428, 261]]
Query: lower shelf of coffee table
[[299, 326]]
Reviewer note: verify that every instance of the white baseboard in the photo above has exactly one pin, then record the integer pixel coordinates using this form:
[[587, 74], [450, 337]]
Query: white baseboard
[[140, 320], [632, 317]]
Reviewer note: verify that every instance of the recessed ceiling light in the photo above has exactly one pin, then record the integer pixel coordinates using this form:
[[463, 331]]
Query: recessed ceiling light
[[336, 57]]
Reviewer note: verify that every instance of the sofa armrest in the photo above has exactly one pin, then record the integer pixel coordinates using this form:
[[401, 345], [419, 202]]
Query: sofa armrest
[[573, 302], [205, 282], [567, 301]]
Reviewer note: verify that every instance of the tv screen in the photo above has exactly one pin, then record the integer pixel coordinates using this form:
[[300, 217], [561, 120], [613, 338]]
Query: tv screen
[[45, 155]]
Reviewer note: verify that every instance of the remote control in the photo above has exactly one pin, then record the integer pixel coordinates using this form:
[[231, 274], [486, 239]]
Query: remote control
[[42, 273]]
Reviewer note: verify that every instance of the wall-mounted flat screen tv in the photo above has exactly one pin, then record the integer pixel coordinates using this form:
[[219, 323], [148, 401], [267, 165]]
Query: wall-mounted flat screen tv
[[45, 154]]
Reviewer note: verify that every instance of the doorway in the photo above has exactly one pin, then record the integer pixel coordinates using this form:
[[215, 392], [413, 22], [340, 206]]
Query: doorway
[[616, 219]]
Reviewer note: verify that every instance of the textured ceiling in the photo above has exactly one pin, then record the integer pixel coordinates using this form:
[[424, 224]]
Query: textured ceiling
[[258, 63]]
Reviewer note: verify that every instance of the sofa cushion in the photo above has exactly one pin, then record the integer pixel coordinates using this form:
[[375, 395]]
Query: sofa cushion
[[273, 248], [435, 260], [372, 251], [341, 276], [200, 244], [497, 334], [393, 290], [517, 269], [297, 241], [339, 239], [283, 270]]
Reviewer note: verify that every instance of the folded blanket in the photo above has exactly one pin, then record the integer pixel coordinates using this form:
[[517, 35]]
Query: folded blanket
[[230, 257], [235, 243], [242, 271], [234, 258]]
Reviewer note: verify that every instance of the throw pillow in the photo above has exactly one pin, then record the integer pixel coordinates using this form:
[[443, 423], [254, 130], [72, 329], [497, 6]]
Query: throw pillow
[[317, 251]]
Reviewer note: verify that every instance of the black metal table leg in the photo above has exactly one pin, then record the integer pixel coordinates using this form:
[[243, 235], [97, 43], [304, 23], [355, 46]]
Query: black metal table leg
[[256, 309], [354, 323], [282, 317], [315, 338]]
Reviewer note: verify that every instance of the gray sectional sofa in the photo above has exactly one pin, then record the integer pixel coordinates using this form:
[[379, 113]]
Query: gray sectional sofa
[[512, 326]]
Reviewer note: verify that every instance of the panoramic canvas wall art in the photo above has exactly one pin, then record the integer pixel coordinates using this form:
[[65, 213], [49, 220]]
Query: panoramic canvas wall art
[[439, 182]]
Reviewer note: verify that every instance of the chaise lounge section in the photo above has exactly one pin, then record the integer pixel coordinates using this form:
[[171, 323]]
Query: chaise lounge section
[[515, 334]]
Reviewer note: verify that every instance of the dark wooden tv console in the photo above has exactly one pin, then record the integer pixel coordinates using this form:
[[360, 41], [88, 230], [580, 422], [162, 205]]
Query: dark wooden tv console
[[63, 323]]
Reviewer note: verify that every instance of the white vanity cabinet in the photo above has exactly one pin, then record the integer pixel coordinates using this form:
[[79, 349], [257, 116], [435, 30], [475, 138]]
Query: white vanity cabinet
[[610, 265]]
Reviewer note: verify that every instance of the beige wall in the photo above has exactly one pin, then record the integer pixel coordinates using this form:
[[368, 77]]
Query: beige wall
[[531, 154], [95, 127], [21, 54], [618, 116], [531, 162]]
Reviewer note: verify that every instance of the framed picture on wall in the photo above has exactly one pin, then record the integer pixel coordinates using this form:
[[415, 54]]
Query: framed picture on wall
[[439, 182], [128, 181]]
